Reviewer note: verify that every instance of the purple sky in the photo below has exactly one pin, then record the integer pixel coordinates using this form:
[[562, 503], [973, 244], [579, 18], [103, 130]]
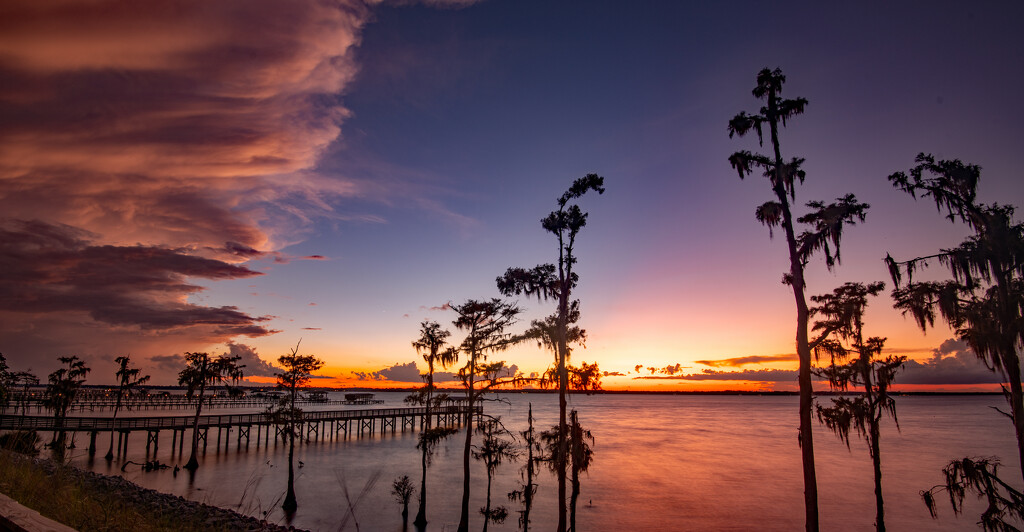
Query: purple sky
[[178, 175]]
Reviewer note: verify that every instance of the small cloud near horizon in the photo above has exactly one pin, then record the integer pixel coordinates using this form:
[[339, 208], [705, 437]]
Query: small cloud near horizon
[[742, 361], [759, 375], [952, 363]]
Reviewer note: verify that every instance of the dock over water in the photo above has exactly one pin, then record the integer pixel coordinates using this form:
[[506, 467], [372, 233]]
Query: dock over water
[[314, 425]]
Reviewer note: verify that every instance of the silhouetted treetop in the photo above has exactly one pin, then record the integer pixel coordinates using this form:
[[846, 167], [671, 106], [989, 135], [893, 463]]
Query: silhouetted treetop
[[581, 186], [952, 184]]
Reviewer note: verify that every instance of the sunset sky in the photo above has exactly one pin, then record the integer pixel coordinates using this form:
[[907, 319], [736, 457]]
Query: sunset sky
[[239, 175]]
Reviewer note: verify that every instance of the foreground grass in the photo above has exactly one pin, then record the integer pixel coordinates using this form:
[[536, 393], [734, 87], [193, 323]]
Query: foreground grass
[[64, 494]]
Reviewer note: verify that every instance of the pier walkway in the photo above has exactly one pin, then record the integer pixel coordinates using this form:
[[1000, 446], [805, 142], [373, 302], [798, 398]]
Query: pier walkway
[[175, 402], [313, 424]]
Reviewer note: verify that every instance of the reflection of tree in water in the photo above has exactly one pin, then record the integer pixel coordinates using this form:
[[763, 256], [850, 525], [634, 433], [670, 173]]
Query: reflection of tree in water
[[493, 451], [351, 503], [580, 457]]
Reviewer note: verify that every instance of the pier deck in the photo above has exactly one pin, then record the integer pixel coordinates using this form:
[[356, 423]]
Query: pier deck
[[313, 424]]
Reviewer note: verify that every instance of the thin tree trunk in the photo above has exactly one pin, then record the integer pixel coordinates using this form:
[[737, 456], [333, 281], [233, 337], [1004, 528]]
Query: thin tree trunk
[[528, 491], [110, 451], [193, 463], [803, 349], [487, 507], [421, 513], [1016, 403], [290, 504], [563, 385], [876, 461], [464, 516], [577, 435]]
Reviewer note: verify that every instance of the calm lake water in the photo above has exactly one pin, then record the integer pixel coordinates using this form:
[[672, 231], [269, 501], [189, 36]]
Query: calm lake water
[[660, 463]]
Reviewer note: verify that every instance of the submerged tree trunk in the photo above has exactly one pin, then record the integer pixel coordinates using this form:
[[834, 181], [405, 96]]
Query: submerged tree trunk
[[528, 490], [877, 463], [193, 463], [464, 516], [421, 513], [577, 440], [1016, 404], [563, 385], [487, 507], [110, 450], [290, 504]]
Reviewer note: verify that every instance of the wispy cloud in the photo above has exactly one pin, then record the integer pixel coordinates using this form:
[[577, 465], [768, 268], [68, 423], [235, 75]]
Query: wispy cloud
[[743, 361], [759, 375]]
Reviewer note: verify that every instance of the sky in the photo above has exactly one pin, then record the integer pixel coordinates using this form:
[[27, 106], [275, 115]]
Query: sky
[[242, 176]]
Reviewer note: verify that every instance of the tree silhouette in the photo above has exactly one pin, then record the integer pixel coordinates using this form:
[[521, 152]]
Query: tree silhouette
[[10, 380], [557, 281], [6, 383], [824, 234], [64, 384], [25, 380], [297, 372], [843, 311], [984, 300], [431, 345], [494, 450], [528, 489], [127, 378], [402, 490], [485, 323], [202, 371], [980, 476], [580, 457]]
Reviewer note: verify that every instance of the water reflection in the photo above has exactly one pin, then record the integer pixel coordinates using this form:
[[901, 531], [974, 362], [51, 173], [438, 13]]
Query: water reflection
[[660, 463]]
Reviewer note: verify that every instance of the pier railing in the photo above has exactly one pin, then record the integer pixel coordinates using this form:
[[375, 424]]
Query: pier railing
[[153, 423]]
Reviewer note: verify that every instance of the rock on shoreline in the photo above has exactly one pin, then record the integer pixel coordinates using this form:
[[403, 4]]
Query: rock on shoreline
[[157, 504]]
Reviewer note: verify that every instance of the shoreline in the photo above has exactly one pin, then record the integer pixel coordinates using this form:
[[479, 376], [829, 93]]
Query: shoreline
[[177, 512]]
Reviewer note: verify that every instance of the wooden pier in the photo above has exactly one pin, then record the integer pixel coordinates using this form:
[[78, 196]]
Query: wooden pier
[[314, 425], [176, 402]]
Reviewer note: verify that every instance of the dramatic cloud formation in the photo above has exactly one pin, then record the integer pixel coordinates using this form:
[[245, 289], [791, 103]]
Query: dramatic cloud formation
[[742, 361], [176, 122], [951, 363], [56, 268], [407, 372], [254, 365], [146, 143]]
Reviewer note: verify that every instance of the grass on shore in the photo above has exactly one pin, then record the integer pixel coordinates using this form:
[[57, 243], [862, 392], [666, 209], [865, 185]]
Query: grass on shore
[[63, 496]]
